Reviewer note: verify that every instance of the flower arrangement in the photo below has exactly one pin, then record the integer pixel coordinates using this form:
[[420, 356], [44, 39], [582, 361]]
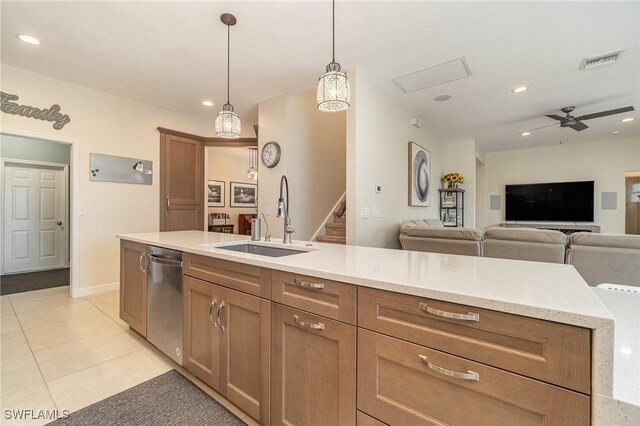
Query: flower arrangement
[[453, 179]]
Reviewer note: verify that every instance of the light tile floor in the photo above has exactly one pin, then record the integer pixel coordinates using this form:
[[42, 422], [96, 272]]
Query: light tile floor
[[65, 354]]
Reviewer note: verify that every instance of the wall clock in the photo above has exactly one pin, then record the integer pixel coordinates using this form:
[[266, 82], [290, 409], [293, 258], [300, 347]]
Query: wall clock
[[271, 154]]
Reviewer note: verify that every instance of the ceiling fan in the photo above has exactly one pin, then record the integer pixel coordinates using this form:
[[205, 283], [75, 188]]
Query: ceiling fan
[[576, 123]]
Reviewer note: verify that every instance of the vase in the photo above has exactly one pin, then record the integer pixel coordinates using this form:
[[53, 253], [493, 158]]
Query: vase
[[452, 185]]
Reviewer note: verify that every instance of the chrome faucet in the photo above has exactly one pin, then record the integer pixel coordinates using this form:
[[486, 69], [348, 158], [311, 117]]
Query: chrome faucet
[[283, 211]]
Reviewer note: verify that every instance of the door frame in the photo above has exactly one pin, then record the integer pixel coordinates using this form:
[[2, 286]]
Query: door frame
[[74, 199], [65, 170]]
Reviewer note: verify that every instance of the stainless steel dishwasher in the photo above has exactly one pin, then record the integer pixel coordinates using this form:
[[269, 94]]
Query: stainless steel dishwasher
[[164, 301]]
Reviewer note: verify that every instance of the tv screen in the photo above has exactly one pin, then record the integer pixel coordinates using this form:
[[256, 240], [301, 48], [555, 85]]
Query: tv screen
[[560, 202]]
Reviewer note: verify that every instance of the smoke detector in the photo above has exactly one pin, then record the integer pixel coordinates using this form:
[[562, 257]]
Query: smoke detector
[[604, 59]]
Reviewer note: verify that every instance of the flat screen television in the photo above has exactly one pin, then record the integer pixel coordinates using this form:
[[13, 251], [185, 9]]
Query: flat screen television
[[550, 202]]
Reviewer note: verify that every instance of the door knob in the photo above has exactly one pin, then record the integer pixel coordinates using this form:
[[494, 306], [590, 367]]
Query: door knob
[[59, 223]]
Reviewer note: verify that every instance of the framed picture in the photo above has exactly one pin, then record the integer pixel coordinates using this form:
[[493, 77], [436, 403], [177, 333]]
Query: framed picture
[[243, 194], [215, 193], [419, 176]]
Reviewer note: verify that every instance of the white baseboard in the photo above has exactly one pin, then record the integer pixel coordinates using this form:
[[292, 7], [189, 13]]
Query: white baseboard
[[88, 291]]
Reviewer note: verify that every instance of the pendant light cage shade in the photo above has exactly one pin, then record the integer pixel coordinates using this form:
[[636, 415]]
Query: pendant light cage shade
[[334, 92], [227, 123]]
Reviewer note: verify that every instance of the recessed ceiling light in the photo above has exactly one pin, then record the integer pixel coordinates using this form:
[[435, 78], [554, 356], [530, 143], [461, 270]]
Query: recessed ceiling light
[[207, 103], [626, 120], [28, 39], [525, 133], [520, 89], [615, 133], [442, 98]]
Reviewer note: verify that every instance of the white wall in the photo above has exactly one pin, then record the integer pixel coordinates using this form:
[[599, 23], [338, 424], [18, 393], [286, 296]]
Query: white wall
[[105, 124], [378, 133], [604, 162], [229, 164], [313, 159]]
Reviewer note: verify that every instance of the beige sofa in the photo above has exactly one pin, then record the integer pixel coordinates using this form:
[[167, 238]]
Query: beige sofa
[[606, 258], [538, 245], [430, 236], [599, 258]]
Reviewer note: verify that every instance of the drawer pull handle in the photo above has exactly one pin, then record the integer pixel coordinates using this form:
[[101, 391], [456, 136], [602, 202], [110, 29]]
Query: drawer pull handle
[[317, 326], [143, 256], [214, 302], [469, 375], [312, 286], [219, 313], [464, 317]]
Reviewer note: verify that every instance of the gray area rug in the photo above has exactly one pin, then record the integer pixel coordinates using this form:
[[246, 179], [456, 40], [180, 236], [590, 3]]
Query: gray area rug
[[29, 281], [169, 399]]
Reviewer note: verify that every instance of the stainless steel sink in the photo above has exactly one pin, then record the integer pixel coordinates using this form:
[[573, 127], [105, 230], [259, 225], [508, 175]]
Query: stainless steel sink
[[261, 250]]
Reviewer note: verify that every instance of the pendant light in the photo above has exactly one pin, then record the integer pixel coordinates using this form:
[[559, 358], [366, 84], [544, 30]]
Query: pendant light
[[334, 93], [252, 173], [228, 122]]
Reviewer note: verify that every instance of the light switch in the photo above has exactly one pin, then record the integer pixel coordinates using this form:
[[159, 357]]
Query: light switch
[[82, 211], [376, 212], [267, 211], [364, 214]]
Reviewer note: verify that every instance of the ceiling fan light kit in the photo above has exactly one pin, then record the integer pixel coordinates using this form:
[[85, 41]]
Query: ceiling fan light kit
[[227, 122], [334, 92]]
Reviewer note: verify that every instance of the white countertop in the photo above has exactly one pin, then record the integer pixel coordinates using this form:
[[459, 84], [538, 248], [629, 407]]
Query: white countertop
[[625, 308], [539, 290]]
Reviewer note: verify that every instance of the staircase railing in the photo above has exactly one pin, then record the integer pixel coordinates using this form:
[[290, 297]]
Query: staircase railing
[[329, 216]]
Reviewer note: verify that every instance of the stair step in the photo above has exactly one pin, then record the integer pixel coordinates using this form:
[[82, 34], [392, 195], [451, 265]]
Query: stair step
[[336, 229], [331, 239]]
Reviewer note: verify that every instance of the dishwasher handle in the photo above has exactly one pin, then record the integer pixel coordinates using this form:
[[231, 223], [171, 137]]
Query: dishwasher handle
[[165, 261]]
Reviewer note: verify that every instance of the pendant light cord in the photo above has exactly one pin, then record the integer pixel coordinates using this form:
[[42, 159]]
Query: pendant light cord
[[228, 57], [333, 53]]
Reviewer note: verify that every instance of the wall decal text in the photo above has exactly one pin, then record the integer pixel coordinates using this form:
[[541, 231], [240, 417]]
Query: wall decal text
[[7, 105]]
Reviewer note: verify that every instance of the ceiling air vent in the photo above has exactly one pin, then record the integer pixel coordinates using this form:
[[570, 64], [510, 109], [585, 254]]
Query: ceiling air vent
[[433, 75], [605, 59]]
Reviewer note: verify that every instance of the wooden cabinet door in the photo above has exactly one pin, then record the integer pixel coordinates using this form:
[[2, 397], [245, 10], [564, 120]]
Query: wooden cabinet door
[[313, 368], [133, 285], [201, 301], [244, 329], [181, 183]]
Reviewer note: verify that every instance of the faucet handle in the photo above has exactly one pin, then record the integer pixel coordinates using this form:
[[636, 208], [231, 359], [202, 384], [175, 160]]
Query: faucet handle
[[290, 229]]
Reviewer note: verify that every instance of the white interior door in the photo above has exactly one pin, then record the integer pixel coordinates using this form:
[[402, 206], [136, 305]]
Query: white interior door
[[34, 218]]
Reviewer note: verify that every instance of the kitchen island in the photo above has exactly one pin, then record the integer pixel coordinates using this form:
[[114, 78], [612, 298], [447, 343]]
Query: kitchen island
[[415, 333]]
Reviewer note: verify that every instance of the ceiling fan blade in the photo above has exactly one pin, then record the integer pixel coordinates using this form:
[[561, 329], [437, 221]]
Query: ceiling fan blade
[[579, 126], [556, 117], [543, 127], [605, 113]]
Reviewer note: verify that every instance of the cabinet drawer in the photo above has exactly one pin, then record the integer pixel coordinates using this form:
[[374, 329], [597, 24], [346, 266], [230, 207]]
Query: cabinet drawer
[[324, 297], [548, 351], [239, 276], [403, 383]]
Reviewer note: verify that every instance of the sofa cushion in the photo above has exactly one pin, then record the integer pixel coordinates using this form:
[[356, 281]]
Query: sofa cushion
[[420, 223], [526, 234], [524, 250], [441, 245], [445, 233], [605, 240]]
